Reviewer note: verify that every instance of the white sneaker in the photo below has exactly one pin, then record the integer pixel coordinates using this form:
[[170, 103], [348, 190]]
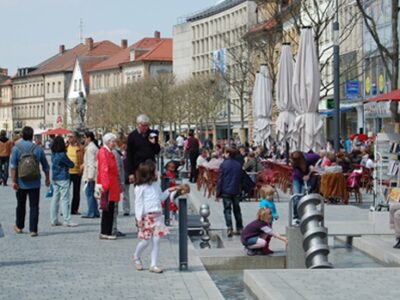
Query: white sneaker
[[70, 224], [295, 222]]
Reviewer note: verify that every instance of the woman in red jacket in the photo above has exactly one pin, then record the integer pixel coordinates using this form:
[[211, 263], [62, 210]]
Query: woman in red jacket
[[108, 178]]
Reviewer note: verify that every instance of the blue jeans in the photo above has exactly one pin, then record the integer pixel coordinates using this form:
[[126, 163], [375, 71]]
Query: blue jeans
[[61, 192], [93, 210], [229, 202], [298, 188]]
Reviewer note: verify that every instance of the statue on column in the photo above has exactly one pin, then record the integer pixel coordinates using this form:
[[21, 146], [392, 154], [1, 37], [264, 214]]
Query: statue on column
[[81, 109]]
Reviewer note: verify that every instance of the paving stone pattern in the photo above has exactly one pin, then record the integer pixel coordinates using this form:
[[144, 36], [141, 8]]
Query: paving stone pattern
[[72, 263]]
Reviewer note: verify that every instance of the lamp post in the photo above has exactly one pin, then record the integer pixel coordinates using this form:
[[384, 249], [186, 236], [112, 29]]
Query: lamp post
[[336, 74]]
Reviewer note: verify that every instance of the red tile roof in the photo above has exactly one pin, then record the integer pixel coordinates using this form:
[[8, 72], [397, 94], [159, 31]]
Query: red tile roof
[[65, 62], [154, 49]]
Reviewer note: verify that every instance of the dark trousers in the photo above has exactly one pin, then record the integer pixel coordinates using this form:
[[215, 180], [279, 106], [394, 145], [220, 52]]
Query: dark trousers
[[107, 219], [193, 171], [75, 180], [229, 202], [33, 208], [4, 160]]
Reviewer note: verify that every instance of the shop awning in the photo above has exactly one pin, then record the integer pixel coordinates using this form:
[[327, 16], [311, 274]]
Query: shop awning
[[393, 95]]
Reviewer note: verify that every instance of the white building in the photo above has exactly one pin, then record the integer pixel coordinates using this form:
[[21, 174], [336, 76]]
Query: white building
[[205, 42]]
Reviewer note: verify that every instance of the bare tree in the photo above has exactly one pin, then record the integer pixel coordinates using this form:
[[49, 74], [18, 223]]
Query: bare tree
[[389, 52]]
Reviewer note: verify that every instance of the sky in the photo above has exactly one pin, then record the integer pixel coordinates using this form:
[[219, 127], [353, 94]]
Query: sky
[[32, 30]]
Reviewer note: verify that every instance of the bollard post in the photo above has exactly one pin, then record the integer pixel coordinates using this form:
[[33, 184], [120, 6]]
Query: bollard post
[[205, 213], [183, 235], [162, 164], [164, 186]]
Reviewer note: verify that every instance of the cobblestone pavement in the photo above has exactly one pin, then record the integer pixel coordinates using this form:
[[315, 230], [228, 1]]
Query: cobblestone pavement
[[72, 263]]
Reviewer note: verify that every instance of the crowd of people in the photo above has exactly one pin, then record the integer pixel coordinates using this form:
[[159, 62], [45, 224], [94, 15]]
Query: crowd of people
[[106, 169]]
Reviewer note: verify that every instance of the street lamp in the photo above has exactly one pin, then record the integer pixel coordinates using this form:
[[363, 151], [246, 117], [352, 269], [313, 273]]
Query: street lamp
[[336, 74]]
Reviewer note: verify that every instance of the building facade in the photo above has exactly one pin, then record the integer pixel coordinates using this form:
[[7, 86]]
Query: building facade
[[210, 42]]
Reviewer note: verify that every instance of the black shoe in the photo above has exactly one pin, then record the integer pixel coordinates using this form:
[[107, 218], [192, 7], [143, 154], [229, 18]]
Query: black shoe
[[119, 233], [76, 213], [251, 252], [397, 245], [230, 232], [237, 232], [126, 214], [87, 217]]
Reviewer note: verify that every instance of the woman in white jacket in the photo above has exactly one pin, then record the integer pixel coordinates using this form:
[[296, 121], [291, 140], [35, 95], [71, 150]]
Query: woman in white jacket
[[89, 175]]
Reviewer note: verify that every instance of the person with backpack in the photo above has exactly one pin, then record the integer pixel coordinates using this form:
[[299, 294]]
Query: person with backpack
[[26, 158]]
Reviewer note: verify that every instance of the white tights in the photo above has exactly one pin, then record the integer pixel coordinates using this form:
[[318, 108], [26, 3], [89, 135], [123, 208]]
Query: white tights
[[155, 240]]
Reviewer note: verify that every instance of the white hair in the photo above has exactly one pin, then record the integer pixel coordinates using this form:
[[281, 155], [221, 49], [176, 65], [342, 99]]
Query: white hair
[[142, 119], [108, 137]]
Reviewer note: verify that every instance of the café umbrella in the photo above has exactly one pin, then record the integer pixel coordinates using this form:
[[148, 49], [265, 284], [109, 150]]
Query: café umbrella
[[286, 117], [308, 134], [262, 107]]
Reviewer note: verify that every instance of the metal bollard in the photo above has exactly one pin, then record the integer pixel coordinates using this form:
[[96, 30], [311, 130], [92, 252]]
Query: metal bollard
[[205, 213], [164, 186], [183, 235]]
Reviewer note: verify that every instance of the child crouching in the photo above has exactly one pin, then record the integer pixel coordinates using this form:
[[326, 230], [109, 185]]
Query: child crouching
[[148, 197], [257, 234]]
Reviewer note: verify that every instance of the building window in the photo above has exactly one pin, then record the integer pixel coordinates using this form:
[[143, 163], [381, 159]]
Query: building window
[[53, 87], [48, 108], [59, 112], [48, 87], [53, 106], [59, 86], [75, 85], [80, 84]]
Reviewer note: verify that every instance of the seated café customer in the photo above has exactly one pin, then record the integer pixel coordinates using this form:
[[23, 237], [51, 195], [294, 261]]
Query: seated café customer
[[257, 234]]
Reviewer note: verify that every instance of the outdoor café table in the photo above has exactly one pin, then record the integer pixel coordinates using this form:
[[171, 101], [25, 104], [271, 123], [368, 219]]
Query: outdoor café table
[[334, 185]]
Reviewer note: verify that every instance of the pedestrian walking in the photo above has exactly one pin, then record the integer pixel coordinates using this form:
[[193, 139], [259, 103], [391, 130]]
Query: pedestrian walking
[[229, 189], [75, 152], [25, 174], [142, 145], [193, 146], [121, 179], [5, 152], [148, 213], [108, 179], [89, 167], [60, 181]]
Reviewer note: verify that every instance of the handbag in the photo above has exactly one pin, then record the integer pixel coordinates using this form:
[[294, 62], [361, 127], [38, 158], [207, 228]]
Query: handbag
[[50, 191], [104, 201]]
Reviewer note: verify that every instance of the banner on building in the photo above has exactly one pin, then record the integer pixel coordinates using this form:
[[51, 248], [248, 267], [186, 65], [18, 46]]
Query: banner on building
[[219, 57], [377, 110]]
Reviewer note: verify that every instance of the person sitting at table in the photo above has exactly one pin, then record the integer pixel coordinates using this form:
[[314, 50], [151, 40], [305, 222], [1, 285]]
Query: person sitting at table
[[343, 160], [369, 163], [355, 156], [215, 161], [202, 159], [303, 165], [252, 165]]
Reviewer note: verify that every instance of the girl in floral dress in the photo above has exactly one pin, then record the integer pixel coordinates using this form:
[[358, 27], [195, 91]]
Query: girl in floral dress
[[148, 197]]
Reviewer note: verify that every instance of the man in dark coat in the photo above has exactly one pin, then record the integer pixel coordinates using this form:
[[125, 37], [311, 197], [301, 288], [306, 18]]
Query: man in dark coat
[[229, 189], [193, 147], [142, 145]]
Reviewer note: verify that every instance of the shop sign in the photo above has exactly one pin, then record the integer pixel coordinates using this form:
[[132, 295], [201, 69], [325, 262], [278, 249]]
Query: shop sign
[[381, 83], [377, 110], [352, 89]]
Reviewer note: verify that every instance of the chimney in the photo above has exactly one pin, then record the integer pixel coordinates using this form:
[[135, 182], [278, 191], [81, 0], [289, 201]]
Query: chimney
[[157, 34], [61, 49], [124, 44], [3, 71], [89, 43]]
